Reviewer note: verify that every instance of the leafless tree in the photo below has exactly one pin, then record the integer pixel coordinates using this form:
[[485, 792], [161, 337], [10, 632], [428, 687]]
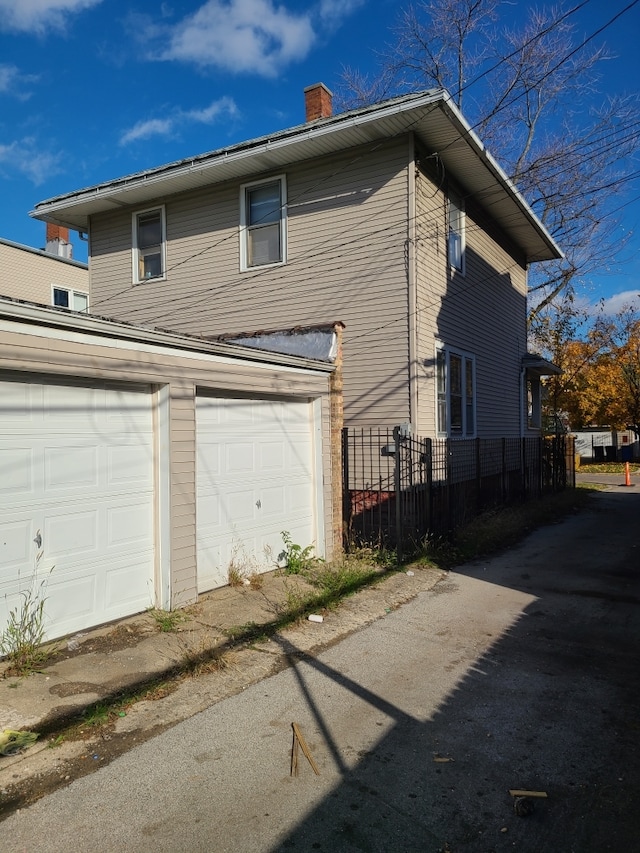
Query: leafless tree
[[529, 92]]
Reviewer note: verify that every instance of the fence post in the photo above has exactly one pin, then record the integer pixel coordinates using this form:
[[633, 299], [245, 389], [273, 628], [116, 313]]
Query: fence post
[[478, 477], [428, 469], [346, 494], [504, 470], [397, 484], [449, 486]]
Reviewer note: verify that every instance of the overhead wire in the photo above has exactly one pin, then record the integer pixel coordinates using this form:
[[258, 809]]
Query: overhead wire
[[219, 287]]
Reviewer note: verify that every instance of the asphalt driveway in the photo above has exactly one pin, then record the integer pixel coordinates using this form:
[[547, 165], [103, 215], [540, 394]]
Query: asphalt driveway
[[519, 672]]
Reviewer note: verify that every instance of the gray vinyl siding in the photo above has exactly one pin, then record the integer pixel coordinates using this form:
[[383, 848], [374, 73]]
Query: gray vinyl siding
[[482, 312], [346, 233]]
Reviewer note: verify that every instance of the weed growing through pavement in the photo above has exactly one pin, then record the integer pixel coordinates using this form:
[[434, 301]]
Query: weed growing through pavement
[[21, 641], [167, 620], [242, 567], [296, 558], [204, 658]]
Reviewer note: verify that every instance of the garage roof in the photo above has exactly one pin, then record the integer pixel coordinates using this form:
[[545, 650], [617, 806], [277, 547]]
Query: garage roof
[[432, 116]]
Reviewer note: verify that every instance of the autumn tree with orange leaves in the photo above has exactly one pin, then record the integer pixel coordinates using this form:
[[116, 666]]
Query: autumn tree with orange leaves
[[600, 383]]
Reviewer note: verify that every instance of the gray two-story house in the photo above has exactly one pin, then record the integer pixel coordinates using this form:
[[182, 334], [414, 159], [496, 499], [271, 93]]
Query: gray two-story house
[[393, 219]]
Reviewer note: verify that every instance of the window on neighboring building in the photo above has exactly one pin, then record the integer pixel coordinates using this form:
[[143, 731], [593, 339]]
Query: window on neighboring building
[[76, 300], [456, 233], [263, 221], [148, 244], [455, 391]]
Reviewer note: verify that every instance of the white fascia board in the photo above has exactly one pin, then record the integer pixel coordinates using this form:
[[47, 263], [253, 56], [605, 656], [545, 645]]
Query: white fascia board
[[206, 163], [466, 131]]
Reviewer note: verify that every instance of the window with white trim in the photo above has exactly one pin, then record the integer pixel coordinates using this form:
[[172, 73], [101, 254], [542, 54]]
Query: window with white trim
[[534, 402], [263, 223], [149, 244], [64, 297], [456, 394], [456, 232]]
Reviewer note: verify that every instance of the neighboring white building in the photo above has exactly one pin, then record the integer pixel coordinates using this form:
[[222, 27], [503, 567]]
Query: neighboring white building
[[47, 276], [600, 444]]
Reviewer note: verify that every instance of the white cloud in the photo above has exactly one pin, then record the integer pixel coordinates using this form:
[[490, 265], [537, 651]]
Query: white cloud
[[171, 124], [146, 129], [28, 158], [13, 82], [333, 11], [619, 301], [38, 16], [243, 36]]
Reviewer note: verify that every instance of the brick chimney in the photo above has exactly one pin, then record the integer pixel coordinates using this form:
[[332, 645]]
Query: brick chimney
[[58, 241], [318, 102]]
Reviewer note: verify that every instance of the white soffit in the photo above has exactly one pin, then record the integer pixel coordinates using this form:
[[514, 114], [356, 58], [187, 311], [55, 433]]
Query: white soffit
[[432, 116]]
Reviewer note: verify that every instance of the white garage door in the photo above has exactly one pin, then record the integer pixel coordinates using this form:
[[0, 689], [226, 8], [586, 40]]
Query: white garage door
[[76, 487], [255, 478]]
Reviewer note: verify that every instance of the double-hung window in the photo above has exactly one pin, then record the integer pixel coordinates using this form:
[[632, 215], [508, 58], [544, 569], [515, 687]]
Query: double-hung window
[[64, 297], [263, 223], [456, 395], [149, 245], [456, 233]]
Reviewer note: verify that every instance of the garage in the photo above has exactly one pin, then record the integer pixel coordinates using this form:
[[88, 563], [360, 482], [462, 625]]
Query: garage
[[76, 499], [137, 464], [256, 475]]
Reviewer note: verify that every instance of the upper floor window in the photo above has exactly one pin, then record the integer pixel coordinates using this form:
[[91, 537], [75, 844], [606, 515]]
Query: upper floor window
[[149, 244], [76, 300], [456, 394], [456, 232], [263, 223]]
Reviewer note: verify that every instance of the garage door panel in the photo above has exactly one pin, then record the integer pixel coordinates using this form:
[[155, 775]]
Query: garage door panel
[[255, 478], [209, 510], [16, 466], [271, 456], [18, 404], [239, 505], [127, 463], [76, 477], [273, 501], [15, 547], [126, 590], [80, 412], [238, 458], [70, 467], [212, 564], [128, 525], [208, 457], [71, 533], [70, 601]]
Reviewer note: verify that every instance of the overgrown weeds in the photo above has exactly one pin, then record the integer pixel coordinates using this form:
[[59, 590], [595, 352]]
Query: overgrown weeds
[[497, 529], [297, 559], [167, 621], [22, 639]]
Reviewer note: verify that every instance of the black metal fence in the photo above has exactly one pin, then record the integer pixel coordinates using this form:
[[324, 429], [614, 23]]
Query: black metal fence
[[398, 489]]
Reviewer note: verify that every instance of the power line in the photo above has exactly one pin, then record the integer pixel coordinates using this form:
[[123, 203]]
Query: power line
[[233, 283]]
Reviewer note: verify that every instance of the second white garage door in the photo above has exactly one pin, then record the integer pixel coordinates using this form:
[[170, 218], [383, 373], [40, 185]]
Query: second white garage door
[[256, 476]]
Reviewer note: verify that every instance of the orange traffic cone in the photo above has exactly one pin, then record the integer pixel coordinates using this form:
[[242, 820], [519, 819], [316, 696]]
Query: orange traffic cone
[[627, 475]]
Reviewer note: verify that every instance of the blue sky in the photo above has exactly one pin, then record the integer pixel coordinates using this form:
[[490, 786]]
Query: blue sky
[[91, 90]]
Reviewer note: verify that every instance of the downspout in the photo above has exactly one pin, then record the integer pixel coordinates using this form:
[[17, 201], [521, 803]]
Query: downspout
[[412, 288]]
